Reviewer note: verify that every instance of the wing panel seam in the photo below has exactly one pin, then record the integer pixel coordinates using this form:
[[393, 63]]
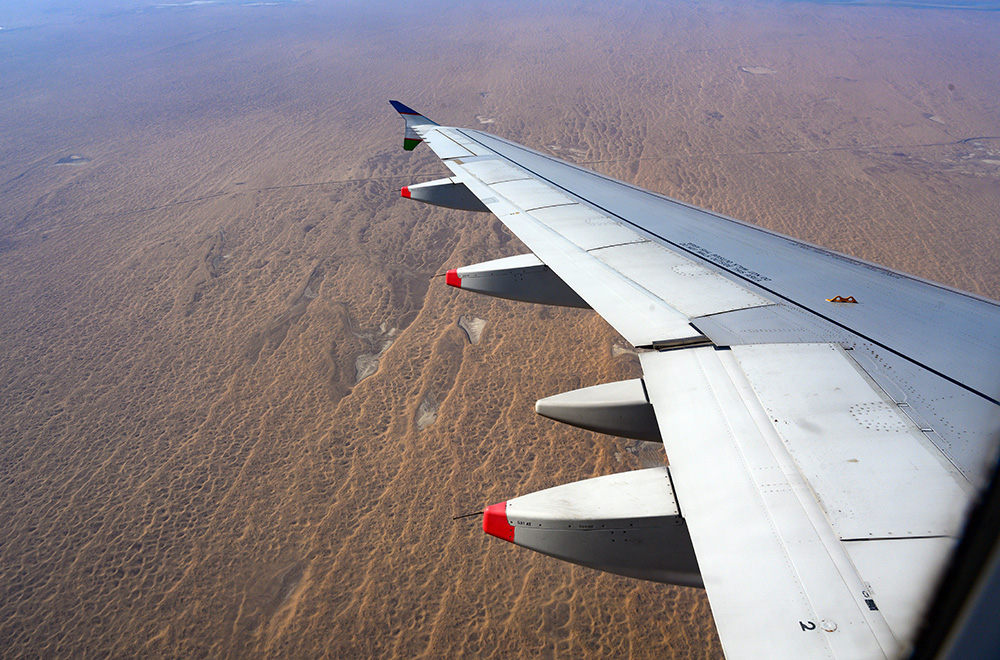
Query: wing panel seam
[[700, 259]]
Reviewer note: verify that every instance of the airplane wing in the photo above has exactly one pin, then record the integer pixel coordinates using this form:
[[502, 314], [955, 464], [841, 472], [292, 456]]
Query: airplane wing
[[830, 423]]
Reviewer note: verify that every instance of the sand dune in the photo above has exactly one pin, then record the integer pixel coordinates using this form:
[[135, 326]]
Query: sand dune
[[239, 412]]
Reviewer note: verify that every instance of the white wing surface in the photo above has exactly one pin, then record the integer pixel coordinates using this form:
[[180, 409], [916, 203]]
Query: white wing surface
[[823, 454]]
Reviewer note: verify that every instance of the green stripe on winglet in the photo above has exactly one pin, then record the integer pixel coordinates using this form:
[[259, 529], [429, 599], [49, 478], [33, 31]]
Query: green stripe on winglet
[[409, 144]]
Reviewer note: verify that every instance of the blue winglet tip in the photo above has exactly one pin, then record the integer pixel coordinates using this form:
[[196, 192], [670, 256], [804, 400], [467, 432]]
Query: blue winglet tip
[[403, 109]]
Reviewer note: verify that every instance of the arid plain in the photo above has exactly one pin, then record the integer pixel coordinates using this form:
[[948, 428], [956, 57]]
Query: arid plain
[[238, 411]]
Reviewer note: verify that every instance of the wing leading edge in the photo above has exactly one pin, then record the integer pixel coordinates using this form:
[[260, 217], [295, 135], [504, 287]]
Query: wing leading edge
[[823, 454]]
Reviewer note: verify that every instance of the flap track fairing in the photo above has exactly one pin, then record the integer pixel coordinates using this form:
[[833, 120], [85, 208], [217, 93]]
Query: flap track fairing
[[620, 408], [447, 193], [523, 278], [626, 523]]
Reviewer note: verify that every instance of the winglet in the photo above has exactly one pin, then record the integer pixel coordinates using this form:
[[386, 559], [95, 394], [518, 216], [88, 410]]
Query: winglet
[[413, 119]]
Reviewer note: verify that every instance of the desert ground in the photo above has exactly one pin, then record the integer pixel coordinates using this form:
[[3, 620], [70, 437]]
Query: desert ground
[[239, 408]]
